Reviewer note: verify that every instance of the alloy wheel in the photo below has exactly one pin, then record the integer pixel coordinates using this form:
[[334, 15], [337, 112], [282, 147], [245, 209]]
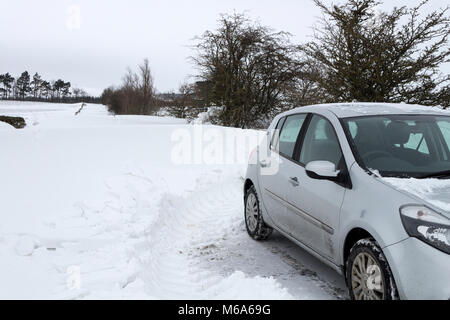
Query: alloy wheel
[[251, 212], [367, 279]]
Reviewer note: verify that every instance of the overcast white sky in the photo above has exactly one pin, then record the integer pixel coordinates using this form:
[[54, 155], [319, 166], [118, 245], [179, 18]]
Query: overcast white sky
[[44, 35]]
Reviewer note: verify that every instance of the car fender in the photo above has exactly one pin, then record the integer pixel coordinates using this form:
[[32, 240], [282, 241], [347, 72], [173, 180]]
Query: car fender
[[373, 206]]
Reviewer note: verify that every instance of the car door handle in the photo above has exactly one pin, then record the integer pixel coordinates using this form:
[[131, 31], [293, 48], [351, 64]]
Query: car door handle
[[264, 163], [294, 181]]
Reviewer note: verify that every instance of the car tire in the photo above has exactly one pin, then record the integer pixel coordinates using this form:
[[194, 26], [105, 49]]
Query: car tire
[[256, 227], [368, 274]]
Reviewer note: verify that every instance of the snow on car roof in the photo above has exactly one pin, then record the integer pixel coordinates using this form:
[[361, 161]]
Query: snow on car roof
[[357, 109]]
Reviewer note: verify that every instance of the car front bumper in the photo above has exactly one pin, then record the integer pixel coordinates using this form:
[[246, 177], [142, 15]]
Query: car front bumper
[[421, 272]]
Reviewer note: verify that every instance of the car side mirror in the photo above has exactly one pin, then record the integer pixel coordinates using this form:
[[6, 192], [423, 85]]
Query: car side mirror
[[322, 170]]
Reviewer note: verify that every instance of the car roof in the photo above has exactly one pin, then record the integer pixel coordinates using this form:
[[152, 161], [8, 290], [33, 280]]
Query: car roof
[[358, 109]]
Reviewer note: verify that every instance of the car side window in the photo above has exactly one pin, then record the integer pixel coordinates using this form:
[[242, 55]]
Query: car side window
[[276, 135], [417, 142], [289, 134], [444, 126], [321, 143], [353, 128]]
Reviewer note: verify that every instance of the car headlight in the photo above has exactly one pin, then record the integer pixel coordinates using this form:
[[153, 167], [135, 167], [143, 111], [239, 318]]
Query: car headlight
[[427, 225]]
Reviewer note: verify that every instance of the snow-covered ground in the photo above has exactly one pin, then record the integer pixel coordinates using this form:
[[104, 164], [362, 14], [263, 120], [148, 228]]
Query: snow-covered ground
[[95, 206]]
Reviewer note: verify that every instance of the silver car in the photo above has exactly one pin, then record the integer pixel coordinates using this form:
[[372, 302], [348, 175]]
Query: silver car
[[340, 180]]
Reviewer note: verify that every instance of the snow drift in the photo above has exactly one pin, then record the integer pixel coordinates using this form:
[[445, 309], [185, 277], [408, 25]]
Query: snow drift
[[95, 206]]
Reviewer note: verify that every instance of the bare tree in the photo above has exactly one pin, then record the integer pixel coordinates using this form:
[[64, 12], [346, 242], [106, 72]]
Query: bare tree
[[127, 99], [130, 80], [136, 95], [146, 86], [79, 93], [248, 68], [305, 90], [182, 104]]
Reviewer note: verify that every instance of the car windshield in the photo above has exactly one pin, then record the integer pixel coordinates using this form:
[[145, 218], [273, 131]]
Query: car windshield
[[402, 146]]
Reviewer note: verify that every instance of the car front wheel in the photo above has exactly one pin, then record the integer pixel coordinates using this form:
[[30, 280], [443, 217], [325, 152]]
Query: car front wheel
[[256, 227], [368, 274]]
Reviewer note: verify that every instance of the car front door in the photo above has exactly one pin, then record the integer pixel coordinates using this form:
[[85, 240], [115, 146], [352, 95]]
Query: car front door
[[314, 205], [275, 169]]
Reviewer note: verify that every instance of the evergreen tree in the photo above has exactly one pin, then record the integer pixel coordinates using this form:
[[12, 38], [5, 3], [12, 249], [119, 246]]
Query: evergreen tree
[[23, 85], [2, 90], [65, 90], [36, 84], [58, 87], [46, 88], [395, 56], [7, 82], [38, 88]]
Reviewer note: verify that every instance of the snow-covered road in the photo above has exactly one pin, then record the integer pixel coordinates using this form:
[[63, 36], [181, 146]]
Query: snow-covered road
[[101, 207]]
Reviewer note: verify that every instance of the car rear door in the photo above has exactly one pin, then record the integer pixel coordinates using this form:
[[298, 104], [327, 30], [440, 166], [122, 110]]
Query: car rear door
[[275, 169]]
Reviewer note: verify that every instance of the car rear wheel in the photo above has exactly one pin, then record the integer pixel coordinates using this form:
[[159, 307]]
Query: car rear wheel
[[256, 227], [368, 274]]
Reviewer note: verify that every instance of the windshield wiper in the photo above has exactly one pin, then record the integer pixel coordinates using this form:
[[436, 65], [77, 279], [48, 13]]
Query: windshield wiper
[[440, 174]]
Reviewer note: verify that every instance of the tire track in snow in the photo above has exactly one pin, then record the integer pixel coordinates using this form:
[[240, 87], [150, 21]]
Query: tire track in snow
[[166, 263], [198, 249], [191, 247]]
